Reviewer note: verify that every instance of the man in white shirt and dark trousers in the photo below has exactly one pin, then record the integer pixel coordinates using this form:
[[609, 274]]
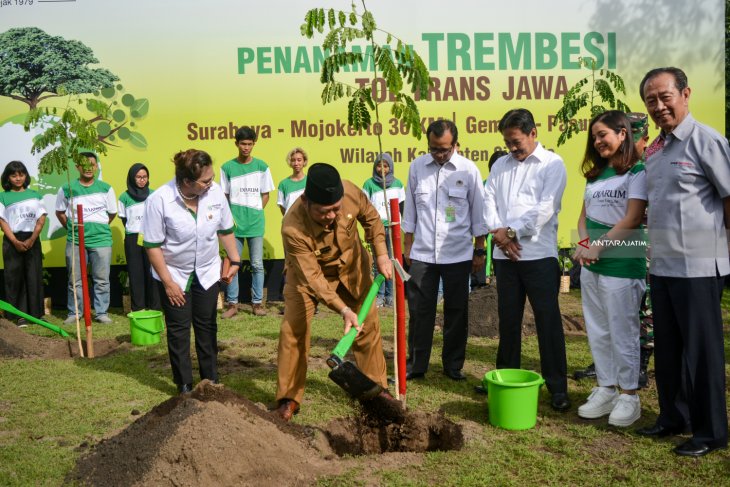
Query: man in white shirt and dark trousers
[[522, 199], [443, 216]]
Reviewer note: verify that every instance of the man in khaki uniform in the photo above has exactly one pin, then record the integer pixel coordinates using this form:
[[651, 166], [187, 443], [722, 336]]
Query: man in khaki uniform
[[327, 263]]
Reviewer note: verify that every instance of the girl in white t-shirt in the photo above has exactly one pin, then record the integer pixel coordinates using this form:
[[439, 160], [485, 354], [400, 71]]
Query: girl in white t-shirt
[[22, 216], [612, 252]]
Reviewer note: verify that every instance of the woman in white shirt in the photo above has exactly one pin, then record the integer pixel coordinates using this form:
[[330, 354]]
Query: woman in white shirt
[[181, 222], [614, 265]]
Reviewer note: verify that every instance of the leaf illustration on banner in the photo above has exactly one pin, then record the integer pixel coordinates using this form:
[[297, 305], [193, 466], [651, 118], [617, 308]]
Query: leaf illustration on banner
[[140, 107], [138, 140]]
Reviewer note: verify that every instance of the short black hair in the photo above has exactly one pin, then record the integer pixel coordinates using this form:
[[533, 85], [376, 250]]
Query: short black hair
[[90, 154], [245, 133], [680, 78], [439, 127], [518, 118], [11, 168]]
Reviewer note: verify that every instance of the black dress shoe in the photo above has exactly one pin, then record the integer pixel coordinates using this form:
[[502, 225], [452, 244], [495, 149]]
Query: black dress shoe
[[480, 390], [560, 401], [587, 373], [454, 375], [694, 448], [185, 388], [415, 375], [659, 431]]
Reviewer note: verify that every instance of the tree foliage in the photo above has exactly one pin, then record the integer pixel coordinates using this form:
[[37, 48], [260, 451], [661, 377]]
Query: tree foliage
[[595, 94], [401, 67], [67, 133], [35, 66]]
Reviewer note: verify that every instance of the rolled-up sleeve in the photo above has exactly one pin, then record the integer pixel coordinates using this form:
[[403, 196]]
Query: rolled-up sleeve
[[530, 222], [153, 224], [410, 216], [476, 203]]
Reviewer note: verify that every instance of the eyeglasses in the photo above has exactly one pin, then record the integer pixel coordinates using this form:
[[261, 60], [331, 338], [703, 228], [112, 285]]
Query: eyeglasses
[[205, 184], [438, 151], [141, 178]]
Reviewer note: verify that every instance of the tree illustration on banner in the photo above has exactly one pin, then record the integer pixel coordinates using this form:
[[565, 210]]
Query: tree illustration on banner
[[35, 67]]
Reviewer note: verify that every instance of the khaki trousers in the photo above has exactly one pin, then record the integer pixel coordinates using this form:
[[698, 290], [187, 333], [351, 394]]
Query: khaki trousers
[[294, 339]]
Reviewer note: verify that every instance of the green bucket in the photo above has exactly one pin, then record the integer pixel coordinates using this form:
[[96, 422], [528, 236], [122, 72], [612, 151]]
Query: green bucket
[[145, 326], [513, 397]]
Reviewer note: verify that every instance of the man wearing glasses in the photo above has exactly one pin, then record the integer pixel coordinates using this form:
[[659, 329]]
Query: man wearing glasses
[[444, 230]]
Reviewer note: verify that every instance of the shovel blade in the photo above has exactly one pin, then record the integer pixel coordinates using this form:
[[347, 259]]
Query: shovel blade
[[354, 382]]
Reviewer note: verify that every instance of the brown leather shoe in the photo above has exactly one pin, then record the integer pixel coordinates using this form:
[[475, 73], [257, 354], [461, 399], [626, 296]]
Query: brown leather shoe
[[230, 312], [287, 408], [258, 309]]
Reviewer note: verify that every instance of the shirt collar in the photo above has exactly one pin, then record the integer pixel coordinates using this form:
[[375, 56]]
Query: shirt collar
[[454, 160], [540, 154], [682, 131]]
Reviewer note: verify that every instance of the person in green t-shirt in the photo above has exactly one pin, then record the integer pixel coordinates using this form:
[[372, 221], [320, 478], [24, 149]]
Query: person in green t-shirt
[[99, 209], [246, 182], [612, 253], [22, 216]]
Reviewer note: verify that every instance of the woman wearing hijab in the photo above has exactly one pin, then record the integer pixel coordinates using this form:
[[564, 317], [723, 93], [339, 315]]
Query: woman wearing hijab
[[383, 169], [142, 288]]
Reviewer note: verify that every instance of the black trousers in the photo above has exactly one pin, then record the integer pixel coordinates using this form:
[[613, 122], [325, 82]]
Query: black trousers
[[142, 287], [200, 311], [422, 297], [24, 276], [539, 281], [689, 355]]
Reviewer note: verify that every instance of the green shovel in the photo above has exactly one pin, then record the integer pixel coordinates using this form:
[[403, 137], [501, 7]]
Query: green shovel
[[12, 309]]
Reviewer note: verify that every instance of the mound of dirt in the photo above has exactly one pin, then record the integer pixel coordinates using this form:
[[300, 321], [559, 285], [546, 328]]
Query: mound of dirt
[[419, 432], [210, 437], [17, 343], [216, 437], [483, 316]]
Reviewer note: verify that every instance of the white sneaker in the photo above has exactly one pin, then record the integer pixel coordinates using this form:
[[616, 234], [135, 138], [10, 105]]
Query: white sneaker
[[626, 411], [600, 403]]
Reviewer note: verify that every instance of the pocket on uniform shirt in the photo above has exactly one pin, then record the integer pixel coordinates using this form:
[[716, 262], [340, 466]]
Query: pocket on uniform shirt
[[457, 196], [422, 195]]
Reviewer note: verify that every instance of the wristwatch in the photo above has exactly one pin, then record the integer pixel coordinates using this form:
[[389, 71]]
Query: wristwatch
[[511, 234], [480, 252]]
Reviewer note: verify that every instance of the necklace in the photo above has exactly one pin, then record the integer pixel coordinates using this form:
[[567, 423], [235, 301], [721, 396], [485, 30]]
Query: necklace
[[187, 198]]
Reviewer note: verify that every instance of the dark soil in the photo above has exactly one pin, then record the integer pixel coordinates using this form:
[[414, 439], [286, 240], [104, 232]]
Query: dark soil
[[483, 317], [419, 432], [209, 437], [17, 343], [216, 437]]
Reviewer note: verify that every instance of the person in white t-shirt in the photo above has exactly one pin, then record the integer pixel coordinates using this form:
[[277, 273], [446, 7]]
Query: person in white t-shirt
[[22, 217], [613, 278], [291, 188], [142, 288]]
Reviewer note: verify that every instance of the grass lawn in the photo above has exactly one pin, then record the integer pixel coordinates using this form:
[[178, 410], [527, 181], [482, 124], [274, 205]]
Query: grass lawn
[[52, 410]]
